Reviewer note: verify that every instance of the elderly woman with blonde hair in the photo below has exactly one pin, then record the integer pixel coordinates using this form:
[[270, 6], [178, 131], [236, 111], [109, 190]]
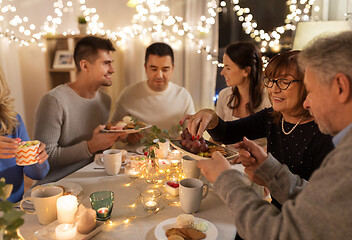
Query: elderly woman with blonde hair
[[13, 131]]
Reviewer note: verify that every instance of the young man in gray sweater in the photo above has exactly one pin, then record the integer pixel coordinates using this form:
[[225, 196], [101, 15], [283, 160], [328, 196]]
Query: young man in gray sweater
[[69, 117], [320, 208]]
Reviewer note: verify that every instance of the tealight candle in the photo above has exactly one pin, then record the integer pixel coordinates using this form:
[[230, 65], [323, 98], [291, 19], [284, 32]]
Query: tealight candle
[[65, 231], [150, 205], [132, 171], [150, 199], [66, 209]]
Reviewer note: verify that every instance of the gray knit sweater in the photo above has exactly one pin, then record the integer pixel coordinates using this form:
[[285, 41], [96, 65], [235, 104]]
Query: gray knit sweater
[[64, 122], [320, 209]]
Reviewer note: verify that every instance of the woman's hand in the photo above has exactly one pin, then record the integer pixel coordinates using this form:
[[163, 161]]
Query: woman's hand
[[42, 155], [251, 156], [8, 147], [201, 121]]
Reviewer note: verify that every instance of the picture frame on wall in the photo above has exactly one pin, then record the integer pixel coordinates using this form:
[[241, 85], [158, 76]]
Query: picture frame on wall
[[63, 59]]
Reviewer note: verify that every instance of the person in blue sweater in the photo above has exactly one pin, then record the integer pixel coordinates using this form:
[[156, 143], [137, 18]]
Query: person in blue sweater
[[13, 131]]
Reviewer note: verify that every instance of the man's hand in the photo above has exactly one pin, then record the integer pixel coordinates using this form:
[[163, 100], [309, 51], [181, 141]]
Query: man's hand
[[201, 121], [8, 147], [212, 168], [42, 155], [102, 141], [251, 156], [134, 138]]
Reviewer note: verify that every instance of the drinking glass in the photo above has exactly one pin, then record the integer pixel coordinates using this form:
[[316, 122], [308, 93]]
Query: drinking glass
[[102, 202]]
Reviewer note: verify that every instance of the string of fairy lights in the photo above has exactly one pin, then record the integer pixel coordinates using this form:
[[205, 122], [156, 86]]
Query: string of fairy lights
[[152, 21], [299, 10]]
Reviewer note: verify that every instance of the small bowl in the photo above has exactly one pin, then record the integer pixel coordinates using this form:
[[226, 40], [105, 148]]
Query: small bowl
[[27, 155], [172, 190]]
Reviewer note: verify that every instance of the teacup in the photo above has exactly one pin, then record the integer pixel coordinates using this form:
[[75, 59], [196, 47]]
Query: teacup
[[112, 161], [44, 201], [192, 191]]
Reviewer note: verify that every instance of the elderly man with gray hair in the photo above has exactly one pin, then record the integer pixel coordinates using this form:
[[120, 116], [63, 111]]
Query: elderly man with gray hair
[[320, 208]]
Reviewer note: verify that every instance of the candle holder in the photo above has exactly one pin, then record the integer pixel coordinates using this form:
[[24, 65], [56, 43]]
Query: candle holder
[[132, 171], [102, 202], [150, 199]]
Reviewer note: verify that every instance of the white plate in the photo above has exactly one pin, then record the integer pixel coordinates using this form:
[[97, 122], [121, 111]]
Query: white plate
[[74, 188], [126, 130], [140, 150], [48, 232], [161, 228], [177, 144]]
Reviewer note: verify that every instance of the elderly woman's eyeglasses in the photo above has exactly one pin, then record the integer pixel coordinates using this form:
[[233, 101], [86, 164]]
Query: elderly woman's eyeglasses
[[282, 83]]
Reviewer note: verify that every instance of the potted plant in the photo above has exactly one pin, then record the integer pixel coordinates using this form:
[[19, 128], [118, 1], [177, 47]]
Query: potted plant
[[10, 219], [82, 24]]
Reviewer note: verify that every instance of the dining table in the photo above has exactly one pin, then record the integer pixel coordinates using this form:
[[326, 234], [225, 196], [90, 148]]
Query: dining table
[[129, 220]]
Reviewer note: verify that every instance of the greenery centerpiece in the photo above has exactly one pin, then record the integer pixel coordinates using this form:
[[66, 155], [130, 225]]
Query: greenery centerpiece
[[82, 24], [10, 219]]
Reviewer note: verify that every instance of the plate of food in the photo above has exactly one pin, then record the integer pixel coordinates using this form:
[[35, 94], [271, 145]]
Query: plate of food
[[68, 187], [186, 226], [200, 149], [127, 125]]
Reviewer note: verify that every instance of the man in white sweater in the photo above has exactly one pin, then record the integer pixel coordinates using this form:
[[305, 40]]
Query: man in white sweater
[[69, 118], [156, 101]]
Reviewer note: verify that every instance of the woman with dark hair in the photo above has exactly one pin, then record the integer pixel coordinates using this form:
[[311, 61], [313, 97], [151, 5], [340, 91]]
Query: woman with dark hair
[[293, 136], [243, 74]]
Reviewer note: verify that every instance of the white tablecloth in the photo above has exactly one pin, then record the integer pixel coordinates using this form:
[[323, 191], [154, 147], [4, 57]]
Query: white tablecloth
[[142, 224]]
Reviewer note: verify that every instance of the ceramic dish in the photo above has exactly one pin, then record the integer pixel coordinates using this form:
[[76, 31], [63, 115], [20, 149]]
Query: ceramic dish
[[126, 130], [177, 144], [161, 228]]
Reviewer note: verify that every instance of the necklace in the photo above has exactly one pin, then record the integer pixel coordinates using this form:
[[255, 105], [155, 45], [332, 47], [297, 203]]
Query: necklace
[[289, 132]]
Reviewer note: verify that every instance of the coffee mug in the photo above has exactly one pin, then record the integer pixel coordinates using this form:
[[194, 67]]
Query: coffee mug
[[44, 201], [192, 191], [189, 167], [112, 161]]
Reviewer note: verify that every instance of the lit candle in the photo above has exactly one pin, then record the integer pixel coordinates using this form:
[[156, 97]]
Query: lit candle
[[66, 209], [65, 231], [103, 210], [150, 205]]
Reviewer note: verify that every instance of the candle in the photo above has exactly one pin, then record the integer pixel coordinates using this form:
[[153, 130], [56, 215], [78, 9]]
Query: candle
[[150, 205], [65, 231], [66, 209], [132, 171], [103, 210]]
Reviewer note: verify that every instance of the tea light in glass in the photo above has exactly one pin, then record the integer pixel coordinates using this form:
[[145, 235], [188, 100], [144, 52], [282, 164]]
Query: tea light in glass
[[102, 202], [132, 171], [150, 199]]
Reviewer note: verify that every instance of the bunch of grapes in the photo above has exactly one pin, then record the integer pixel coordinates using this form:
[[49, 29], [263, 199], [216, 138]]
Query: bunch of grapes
[[193, 145]]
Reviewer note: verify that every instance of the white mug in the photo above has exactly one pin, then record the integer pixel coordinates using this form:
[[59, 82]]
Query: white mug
[[112, 161], [192, 191], [189, 167], [44, 201]]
